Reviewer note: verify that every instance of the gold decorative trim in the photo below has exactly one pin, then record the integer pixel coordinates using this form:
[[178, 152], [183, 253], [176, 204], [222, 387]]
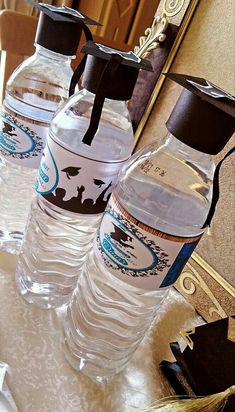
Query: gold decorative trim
[[186, 336], [154, 35], [166, 68], [215, 275], [231, 329], [190, 274], [172, 7]]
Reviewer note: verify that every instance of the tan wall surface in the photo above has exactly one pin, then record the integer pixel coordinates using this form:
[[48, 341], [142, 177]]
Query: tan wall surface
[[208, 50]]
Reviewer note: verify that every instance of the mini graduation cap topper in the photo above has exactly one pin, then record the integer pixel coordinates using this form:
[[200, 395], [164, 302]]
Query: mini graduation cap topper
[[105, 52], [97, 57], [108, 73], [204, 115], [59, 28], [63, 13], [204, 119], [206, 366], [126, 73]]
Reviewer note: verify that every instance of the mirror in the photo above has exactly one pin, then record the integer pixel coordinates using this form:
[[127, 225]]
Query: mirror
[[170, 24]]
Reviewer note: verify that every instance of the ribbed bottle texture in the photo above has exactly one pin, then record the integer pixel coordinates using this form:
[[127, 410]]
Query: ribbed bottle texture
[[54, 249], [74, 183], [33, 94], [106, 320], [166, 189], [14, 203]]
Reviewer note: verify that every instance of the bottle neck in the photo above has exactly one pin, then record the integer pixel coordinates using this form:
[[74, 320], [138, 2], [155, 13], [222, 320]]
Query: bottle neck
[[185, 152], [87, 92], [51, 55]]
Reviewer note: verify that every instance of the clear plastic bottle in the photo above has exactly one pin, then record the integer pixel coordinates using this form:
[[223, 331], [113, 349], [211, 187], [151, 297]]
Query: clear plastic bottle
[[109, 314], [75, 181], [155, 217], [33, 93], [57, 241]]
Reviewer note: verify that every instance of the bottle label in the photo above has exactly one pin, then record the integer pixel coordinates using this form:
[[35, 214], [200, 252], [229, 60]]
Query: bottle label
[[138, 254], [21, 140], [74, 182]]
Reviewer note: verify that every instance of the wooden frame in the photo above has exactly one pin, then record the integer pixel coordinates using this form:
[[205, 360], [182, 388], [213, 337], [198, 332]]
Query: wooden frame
[[14, 48], [206, 289], [182, 17]]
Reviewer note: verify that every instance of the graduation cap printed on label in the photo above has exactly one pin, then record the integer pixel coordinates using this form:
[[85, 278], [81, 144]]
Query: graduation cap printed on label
[[59, 28]]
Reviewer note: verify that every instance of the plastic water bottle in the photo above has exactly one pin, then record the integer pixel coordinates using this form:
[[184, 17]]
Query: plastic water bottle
[[152, 223], [33, 93], [76, 178]]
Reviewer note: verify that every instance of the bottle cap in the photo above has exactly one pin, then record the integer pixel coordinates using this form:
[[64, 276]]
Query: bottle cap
[[109, 73], [59, 28], [204, 115], [122, 85]]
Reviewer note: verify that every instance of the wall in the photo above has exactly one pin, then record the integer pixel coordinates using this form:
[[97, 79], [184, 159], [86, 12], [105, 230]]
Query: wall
[[208, 50]]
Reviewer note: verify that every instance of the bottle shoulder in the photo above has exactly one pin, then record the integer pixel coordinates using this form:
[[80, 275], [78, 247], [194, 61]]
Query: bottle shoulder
[[38, 68], [167, 191], [113, 112], [113, 140], [38, 83]]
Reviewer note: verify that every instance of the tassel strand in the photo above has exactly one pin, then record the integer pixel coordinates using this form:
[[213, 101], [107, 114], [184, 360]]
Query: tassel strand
[[211, 403]]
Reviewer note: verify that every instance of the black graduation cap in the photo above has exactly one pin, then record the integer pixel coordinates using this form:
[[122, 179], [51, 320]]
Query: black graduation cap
[[59, 28], [204, 115], [63, 13], [109, 73], [127, 69], [127, 58], [207, 365]]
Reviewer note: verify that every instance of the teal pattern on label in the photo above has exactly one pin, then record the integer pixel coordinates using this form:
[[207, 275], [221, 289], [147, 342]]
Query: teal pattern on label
[[138, 254], [17, 140], [120, 243], [46, 179], [74, 182]]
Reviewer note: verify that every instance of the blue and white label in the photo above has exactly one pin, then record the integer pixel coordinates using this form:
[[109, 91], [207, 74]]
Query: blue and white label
[[123, 247], [21, 141], [48, 174], [137, 253], [73, 182]]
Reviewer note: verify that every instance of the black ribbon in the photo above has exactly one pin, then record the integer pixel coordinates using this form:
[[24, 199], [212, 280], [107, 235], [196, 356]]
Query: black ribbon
[[76, 75], [86, 31], [215, 193], [80, 68], [106, 77]]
